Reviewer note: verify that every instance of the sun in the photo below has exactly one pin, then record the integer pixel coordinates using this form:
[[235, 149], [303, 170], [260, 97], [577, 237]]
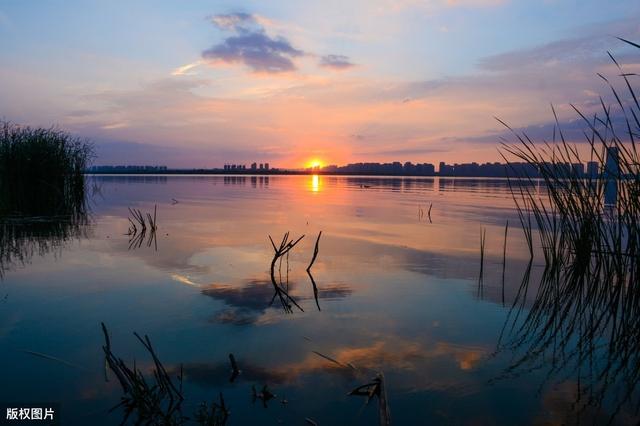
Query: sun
[[314, 164]]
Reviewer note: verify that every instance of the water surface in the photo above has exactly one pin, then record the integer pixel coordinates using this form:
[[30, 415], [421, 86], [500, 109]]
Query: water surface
[[398, 292]]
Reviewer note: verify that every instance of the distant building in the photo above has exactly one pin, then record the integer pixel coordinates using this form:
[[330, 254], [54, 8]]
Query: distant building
[[593, 169], [612, 174], [254, 166], [127, 169], [266, 166], [578, 169]]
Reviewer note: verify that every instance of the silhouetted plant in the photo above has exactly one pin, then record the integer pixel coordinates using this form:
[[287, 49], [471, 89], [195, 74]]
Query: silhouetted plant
[[280, 292], [41, 170], [138, 226], [42, 191], [585, 317], [157, 401]]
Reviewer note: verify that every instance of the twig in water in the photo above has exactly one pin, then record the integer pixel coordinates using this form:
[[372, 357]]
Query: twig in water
[[51, 358], [265, 395], [376, 388], [483, 235], [315, 251], [285, 246], [504, 257], [138, 228], [235, 372], [328, 358]]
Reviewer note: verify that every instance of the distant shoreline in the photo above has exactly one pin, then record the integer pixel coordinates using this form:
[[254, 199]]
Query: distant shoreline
[[275, 173]]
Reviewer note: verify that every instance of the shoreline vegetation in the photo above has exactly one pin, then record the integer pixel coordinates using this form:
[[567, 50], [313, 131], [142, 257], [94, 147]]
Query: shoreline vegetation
[[41, 171], [43, 201], [585, 316]]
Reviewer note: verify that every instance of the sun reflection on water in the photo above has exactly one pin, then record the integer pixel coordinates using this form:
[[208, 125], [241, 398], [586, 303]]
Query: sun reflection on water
[[315, 183]]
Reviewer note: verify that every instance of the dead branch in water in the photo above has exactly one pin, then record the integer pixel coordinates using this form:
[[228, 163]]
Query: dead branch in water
[[235, 371], [483, 237], [285, 246], [376, 388], [504, 257], [138, 225], [315, 289], [315, 252]]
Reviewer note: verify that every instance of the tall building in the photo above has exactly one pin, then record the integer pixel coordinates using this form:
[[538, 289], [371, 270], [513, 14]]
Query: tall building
[[612, 174], [254, 166], [266, 166]]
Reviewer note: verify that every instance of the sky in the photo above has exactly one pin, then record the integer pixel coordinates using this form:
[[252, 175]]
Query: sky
[[202, 83]]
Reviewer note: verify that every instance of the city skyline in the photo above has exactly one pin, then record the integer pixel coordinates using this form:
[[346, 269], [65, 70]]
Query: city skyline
[[407, 168]]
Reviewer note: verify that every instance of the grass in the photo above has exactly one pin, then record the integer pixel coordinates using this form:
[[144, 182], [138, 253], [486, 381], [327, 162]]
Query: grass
[[585, 316], [41, 170], [42, 191]]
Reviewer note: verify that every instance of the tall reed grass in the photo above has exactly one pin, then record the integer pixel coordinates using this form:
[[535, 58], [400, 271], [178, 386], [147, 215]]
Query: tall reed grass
[[41, 170], [585, 317]]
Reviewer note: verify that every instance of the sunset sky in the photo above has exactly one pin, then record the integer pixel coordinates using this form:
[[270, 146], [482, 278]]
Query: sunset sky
[[202, 83]]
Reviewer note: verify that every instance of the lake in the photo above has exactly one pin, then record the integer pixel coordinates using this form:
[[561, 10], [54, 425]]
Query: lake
[[399, 291]]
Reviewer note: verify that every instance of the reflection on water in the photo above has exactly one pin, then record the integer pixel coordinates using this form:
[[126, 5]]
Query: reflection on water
[[585, 321], [40, 220], [397, 294], [315, 183]]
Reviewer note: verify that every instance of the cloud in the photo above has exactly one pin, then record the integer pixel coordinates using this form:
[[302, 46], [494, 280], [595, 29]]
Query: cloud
[[251, 45], [251, 300], [446, 362], [233, 21], [186, 69], [118, 125], [254, 295], [336, 62], [587, 49]]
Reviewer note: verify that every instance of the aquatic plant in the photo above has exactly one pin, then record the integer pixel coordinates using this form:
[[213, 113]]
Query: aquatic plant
[[585, 316], [157, 401], [376, 388], [42, 192], [280, 291], [138, 225], [41, 170]]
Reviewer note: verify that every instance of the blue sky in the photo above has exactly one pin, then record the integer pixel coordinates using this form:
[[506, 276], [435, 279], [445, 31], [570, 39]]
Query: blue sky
[[200, 83]]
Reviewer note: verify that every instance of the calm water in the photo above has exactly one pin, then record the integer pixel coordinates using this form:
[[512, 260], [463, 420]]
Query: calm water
[[397, 294]]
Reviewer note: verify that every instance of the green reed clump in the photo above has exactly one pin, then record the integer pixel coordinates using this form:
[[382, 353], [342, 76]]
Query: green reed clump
[[41, 170], [585, 315]]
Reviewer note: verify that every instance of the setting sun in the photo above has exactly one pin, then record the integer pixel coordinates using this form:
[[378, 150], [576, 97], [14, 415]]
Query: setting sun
[[314, 164]]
